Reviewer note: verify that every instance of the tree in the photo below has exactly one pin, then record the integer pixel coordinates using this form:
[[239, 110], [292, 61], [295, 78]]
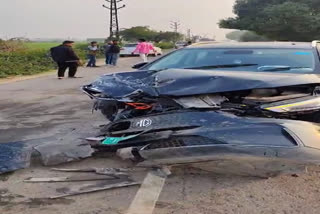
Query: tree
[[168, 36], [245, 36], [284, 20], [139, 32]]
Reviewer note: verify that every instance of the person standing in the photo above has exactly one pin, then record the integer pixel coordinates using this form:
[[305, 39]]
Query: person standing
[[66, 58], [107, 53], [144, 48], [93, 49], [115, 52]]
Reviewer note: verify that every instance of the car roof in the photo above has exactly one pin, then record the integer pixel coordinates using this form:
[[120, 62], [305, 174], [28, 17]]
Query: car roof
[[235, 45]]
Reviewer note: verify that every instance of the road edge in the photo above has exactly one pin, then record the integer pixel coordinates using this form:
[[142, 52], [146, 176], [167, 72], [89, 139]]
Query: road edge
[[27, 77]]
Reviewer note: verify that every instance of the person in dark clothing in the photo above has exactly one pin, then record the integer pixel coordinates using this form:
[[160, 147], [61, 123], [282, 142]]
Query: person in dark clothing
[[66, 58], [107, 52], [115, 52]]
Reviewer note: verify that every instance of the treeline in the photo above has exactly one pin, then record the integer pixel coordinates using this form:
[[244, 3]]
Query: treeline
[[282, 20], [245, 36], [135, 33], [161, 39]]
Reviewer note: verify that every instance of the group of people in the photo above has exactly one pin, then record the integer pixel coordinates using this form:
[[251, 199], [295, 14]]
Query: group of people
[[66, 58], [111, 51]]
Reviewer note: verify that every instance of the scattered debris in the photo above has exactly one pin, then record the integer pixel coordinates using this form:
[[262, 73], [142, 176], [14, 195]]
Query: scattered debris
[[105, 178], [95, 139], [68, 179], [57, 153], [114, 172], [126, 153], [95, 188], [14, 156]]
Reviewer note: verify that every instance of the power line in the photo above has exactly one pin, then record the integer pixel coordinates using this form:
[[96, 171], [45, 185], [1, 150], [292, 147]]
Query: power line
[[114, 19]]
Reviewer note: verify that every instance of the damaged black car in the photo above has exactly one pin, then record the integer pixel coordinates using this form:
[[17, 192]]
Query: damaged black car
[[255, 99]]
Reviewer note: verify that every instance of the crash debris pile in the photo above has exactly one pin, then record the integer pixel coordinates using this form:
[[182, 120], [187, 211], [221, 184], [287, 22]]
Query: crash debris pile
[[14, 156], [19, 155]]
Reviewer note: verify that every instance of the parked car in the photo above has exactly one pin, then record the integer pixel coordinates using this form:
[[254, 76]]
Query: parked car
[[127, 50], [256, 101], [181, 44]]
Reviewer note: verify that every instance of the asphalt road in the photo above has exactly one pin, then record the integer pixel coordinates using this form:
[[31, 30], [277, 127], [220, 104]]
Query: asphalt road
[[45, 108]]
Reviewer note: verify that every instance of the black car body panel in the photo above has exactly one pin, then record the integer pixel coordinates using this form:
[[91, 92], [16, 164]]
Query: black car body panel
[[197, 137], [186, 83], [219, 128]]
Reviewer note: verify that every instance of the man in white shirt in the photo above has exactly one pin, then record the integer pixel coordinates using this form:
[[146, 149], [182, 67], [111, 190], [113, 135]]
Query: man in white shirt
[[92, 54]]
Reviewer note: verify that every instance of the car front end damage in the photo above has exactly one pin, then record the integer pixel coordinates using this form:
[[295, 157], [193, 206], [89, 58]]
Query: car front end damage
[[192, 116]]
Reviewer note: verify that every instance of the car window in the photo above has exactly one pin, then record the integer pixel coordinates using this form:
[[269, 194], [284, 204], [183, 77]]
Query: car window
[[295, 60]]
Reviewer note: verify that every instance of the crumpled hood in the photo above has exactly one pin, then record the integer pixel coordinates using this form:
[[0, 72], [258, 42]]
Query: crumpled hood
[[193, 82], [119, 85], [181, 82]]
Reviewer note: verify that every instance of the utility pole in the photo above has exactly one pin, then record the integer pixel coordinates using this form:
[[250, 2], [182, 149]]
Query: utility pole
[[189, 34], [175, 26], [114, 19]]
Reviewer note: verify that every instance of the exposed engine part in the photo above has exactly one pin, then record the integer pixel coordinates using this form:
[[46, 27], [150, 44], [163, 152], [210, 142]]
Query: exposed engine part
[[316, 91], [264, 92], [140, 106], [205, 101]]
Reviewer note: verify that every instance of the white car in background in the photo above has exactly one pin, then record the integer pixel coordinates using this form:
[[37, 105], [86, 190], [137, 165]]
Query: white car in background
[[127, 50], [180, 45]]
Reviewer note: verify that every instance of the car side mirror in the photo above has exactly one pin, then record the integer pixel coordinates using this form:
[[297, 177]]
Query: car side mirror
[[139, 65]]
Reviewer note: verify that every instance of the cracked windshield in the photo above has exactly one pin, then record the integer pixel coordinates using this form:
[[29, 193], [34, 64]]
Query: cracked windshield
[[160, 107]]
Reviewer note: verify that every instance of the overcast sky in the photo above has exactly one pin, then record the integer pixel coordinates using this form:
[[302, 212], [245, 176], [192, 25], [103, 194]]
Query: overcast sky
[[87, 18]]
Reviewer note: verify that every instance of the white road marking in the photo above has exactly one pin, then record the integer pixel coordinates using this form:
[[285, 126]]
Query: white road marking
[[148, 194]]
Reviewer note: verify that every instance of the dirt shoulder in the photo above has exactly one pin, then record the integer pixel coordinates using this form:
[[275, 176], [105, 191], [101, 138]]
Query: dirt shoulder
[[22, 78]]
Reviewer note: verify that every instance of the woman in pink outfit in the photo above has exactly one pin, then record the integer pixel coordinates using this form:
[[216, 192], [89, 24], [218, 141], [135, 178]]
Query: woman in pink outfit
[[144, 48]]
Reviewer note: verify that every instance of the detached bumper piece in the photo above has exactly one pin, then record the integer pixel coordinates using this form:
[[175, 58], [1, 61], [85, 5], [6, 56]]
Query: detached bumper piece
[[216, 137]]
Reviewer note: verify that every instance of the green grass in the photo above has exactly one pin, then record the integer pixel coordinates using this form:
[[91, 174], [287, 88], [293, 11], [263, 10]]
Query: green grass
[[79, 47], [41, 45]]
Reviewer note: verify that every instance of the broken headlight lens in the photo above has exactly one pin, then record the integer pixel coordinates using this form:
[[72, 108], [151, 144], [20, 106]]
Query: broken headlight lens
[[310, 103]]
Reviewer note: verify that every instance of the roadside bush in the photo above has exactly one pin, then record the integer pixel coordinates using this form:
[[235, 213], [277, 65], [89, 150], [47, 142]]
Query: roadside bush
[[165, 45], [18, 58], [24, 62], [10, 46]]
